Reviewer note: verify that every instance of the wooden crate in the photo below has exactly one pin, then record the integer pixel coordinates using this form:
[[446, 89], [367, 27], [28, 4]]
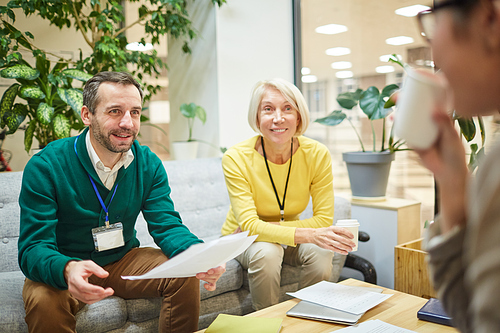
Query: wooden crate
[[410, 272]]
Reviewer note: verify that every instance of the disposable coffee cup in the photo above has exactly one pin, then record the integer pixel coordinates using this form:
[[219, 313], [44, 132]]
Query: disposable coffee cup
[[422, 91], [353, 226]]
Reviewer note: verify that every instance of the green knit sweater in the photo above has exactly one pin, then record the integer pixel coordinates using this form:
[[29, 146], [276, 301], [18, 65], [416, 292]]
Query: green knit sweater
[[59, 208]]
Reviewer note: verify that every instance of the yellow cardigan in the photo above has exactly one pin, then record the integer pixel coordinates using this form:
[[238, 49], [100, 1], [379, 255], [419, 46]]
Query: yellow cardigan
[[253, 201]]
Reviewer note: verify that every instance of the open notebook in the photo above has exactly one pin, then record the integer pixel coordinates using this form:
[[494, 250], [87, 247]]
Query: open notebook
[[314, 311]]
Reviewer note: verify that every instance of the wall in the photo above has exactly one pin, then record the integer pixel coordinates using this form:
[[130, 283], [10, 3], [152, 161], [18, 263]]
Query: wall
[[243, 42]]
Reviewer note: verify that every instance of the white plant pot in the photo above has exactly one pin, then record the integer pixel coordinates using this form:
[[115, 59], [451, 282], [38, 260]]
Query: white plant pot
[[184, 150]]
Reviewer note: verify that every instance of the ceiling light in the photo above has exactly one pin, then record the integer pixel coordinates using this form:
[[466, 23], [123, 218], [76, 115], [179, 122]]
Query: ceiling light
[[331, 29], [344, 74], [341, 65], [386, 57], [305, 71], [338, 51], [411, 11], [384, 69], [136, 46], [309, 78], [400, 40]]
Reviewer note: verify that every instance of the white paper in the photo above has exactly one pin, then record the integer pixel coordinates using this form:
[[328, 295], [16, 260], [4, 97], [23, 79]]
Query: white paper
[[345, 298], [200, 257], [374, 326]]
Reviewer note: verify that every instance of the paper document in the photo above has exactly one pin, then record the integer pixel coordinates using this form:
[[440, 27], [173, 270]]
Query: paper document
[[200, 257], [374, 326], [345, 298]]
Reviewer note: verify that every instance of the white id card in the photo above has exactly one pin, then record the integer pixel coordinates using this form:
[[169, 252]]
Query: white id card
[[107, 238]]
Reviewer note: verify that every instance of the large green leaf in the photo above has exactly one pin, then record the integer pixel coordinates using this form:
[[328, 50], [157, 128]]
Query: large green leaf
[[73, 97], [372, 101], [15, 117], [188, 110], [7, 101], [348, 100], [31, 92], [467, 127], [77, 74], [62, 126], [333, 119], [20, 72], [201, 114], [44, 113], [28, 135]]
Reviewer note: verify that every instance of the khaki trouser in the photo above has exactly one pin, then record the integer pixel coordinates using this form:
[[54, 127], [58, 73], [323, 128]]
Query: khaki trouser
[[52, 310], [263, 261]]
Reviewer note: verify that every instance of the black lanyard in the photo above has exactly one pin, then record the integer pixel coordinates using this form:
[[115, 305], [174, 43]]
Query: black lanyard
[[282, 205]]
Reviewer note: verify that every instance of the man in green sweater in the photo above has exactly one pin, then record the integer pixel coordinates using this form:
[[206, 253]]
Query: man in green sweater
[[79, 201]]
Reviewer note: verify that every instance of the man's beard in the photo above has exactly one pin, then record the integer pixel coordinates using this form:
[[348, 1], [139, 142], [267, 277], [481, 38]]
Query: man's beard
[[105, 141]]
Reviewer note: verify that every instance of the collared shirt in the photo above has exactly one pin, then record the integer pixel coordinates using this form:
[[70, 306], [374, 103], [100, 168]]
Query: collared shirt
[[107, 175]]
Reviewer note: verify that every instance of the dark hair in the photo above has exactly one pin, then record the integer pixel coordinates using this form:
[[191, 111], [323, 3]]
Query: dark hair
[[91, 88]]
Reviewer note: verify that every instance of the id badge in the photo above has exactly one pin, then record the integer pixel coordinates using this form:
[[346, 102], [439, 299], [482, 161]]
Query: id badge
[[107, 238]]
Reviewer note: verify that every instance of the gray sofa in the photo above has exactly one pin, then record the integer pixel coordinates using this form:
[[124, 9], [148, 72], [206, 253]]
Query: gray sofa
[[199, 194]]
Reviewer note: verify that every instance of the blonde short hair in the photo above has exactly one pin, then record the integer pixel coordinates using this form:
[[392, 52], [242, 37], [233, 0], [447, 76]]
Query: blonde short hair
[[291, 93]]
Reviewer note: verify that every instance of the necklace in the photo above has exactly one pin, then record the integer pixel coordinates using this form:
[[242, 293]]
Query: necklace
[[280, 204]]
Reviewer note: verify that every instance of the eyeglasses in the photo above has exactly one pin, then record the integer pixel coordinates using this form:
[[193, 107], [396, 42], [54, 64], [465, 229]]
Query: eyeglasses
[[427, 18]]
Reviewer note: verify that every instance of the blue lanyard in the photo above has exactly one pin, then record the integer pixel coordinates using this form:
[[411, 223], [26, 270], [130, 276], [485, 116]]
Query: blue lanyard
[[106, 209]]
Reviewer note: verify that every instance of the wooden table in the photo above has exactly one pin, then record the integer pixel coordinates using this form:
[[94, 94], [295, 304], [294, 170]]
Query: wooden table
[[400, 310]]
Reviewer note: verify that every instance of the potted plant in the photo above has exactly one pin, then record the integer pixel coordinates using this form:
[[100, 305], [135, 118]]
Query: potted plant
[[188, 149]]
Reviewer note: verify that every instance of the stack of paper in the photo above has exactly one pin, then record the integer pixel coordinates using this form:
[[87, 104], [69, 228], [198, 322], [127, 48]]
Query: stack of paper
[[200, 258], [353, 300], [230, 324]]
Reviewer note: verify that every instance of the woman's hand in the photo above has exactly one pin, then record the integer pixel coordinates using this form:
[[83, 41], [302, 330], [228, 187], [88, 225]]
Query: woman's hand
[[332, 238]]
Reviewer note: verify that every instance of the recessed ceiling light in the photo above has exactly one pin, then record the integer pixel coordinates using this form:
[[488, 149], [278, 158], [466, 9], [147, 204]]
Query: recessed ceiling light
[[344, 74], [136, 46], [386, 57], [305, 71], [400, 40], [338, 51], [309, 78], [384, 69], [331, 29], [341, 65], [411, 11]]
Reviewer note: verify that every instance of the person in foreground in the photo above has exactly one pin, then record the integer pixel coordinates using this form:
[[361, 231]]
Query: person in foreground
[[463, 242], [270, 179], [73, 190]]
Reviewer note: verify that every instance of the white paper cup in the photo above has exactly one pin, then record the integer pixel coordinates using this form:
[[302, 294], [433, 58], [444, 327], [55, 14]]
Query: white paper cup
[[421, 93], [353, 226]]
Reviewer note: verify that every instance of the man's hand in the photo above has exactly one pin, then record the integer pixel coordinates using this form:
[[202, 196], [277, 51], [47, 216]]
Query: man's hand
[[211, 277], [77, 274]]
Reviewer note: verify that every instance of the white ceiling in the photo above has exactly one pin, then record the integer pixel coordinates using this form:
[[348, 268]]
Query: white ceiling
[[369, 23]]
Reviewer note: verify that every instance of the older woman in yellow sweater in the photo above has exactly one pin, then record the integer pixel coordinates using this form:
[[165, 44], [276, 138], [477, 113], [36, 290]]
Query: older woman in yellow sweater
[[270, 179]]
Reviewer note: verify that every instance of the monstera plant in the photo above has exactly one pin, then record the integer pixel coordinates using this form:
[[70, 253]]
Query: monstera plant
[[46, 96]]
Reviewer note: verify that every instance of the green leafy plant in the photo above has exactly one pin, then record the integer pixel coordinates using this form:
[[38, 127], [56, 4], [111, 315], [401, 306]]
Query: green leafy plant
[[376, 105], [47, 98], [191, 112], [51, 107]]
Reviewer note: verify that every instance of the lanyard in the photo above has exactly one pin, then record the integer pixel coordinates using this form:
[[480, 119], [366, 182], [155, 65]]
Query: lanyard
[[281, 204], [106, 209]]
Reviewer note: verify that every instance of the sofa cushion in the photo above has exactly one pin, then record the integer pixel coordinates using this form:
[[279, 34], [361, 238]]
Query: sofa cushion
[[10, 186], [11, 296], [231, 280], [105, 315], [143, 309]]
